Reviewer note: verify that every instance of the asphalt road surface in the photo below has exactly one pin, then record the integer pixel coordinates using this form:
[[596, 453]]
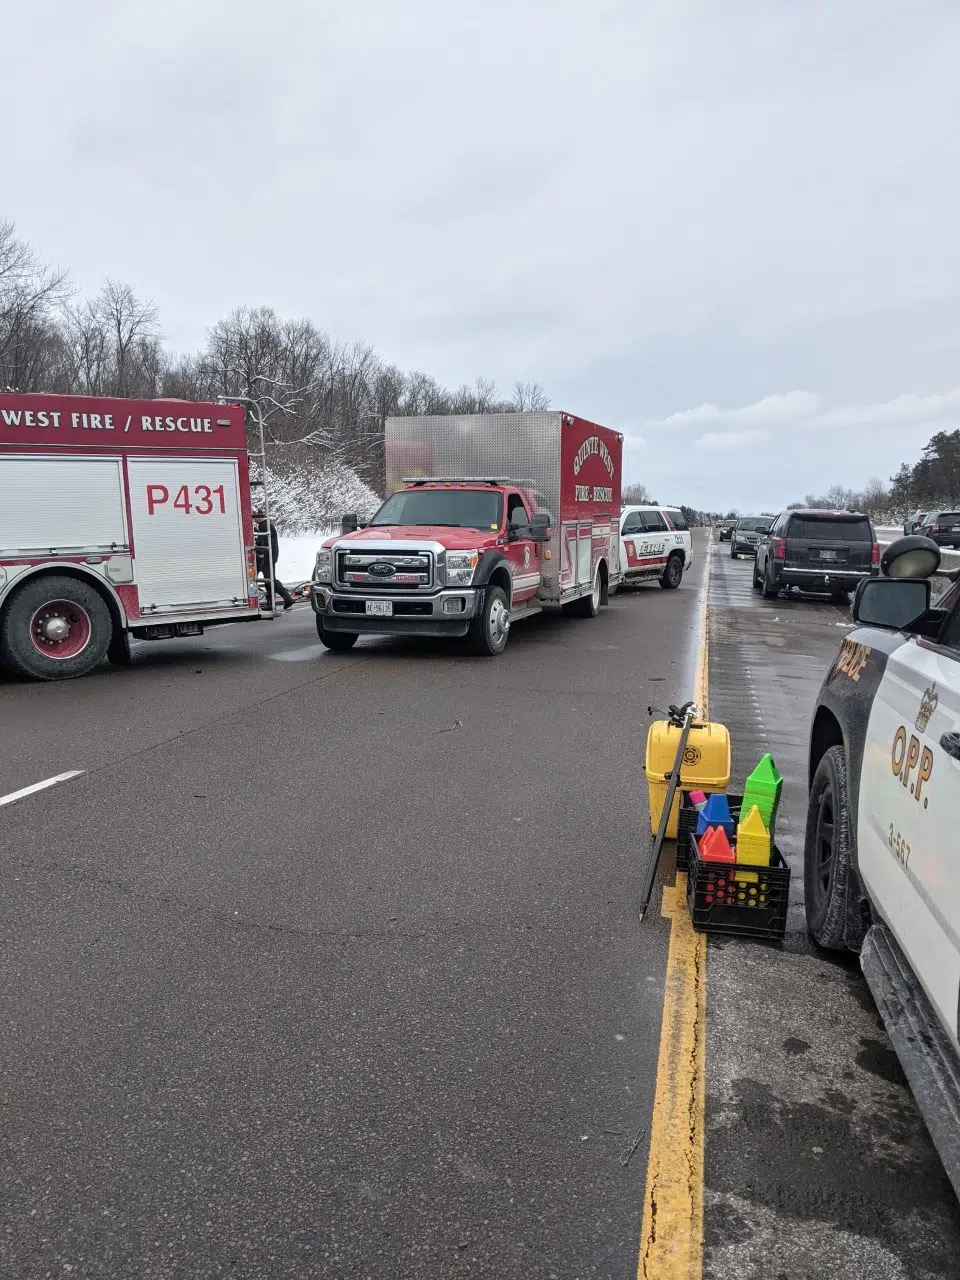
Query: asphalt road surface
[[817, 1160], [328, 965]]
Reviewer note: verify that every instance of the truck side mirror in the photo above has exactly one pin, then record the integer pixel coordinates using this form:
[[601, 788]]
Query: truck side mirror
[[540, 527], [891, 602], [349, 524]]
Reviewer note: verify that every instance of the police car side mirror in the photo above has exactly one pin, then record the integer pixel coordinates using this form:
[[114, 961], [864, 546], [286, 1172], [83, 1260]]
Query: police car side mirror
[[911, 557], [540, 527], [891, 602]]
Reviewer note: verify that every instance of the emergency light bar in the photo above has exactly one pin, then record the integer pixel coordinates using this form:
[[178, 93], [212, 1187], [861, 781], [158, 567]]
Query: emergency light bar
[[464, 480]]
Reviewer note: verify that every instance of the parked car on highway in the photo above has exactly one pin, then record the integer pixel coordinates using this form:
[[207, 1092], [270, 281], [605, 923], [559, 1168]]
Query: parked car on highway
[[942, 526], [828, 551], [913, 523], [881, 873], [726, 528], [746, 534], [655, 543]]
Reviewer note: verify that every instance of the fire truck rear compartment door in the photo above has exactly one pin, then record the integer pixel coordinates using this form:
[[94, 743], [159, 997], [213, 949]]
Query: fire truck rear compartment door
[[61, 504], [187, 533]]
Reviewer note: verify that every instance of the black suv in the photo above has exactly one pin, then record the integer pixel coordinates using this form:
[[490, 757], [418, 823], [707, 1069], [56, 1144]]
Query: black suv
[[830, 551], [942, 526]]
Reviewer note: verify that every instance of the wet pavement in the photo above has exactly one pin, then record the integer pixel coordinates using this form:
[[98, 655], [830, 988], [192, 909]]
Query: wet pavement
[[817, 1160], [329, 964]]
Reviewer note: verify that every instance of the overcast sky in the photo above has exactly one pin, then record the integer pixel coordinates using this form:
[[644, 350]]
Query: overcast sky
[[728, 229]]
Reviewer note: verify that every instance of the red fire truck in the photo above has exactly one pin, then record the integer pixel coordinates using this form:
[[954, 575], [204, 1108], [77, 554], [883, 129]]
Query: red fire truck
[[119, 518], [490, 517]]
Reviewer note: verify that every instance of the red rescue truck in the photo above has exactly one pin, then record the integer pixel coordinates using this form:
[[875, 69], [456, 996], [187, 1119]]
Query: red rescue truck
[[119, 518], [490, 517]]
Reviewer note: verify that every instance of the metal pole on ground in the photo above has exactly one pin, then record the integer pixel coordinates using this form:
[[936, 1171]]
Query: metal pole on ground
[[682, 718]]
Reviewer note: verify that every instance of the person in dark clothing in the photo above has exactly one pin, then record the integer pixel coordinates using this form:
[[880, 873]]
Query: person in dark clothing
[[267, 546]]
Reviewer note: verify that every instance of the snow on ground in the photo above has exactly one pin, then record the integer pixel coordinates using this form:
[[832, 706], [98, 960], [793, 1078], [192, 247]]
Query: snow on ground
[[297, 554]]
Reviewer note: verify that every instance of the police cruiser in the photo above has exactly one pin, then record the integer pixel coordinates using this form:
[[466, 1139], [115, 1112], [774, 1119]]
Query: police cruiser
[[882, 872]]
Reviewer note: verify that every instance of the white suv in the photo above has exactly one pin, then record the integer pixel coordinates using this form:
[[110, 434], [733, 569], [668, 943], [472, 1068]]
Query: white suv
[[655, 542]]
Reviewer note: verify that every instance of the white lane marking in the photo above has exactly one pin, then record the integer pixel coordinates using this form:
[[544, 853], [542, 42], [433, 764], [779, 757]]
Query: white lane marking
[[303, 654], [39, 786]]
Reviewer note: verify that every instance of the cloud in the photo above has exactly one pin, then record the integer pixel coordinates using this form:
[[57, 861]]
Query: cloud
[[631, 440], [764, 454], [771, 410], [904, 411], [803, 409], [731, 204], [730, 441]]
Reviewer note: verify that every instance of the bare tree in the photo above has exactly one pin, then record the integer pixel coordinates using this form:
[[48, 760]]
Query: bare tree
[[323, 402], [637, 494], [529, 396], [29, 291], [112, 345], [133, 328]]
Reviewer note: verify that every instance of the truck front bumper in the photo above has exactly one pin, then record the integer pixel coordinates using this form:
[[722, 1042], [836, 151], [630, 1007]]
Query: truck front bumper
[[446, 613]]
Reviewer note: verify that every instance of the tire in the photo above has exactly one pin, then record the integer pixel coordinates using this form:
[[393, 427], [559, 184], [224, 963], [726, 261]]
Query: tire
[[336, 641], [119, 652], [490, 629], [733, 554], [840, 597], [829, 855], [31, 643], [673, 573], [587, 606], [770, 589], [757, 584]]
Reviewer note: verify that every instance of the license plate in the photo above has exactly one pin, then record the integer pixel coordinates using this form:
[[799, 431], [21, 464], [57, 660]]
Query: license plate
[[828, 555], [380, 608], [955, 528]]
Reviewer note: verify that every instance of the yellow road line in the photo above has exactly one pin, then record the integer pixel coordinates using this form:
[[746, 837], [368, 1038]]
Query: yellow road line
[[671, 1239]]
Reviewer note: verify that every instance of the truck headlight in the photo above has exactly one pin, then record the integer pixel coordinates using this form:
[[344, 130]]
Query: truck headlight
[[460, 567], [323, 569]]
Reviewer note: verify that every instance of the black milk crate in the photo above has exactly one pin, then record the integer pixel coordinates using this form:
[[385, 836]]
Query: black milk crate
[[687, 823], [727, 897]]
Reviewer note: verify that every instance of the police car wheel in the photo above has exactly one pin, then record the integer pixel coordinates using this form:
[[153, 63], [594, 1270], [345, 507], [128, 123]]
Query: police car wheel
[[829, 854]]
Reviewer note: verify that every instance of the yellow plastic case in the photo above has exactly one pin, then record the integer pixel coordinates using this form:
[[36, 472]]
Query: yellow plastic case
[[706, 765]]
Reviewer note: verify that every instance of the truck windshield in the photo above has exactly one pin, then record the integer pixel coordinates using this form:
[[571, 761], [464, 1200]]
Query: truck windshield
[[461, 508]]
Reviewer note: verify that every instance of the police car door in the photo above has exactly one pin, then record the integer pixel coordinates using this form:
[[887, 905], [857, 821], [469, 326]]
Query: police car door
[[909, 810]]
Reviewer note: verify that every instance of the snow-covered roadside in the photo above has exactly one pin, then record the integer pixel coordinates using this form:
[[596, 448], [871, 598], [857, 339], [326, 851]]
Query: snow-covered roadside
[[297, 555]]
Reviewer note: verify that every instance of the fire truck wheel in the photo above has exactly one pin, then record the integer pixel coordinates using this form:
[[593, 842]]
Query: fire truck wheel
[[587, 606], [119, 651], [338, 641], [490, 629], [55, 628], [673, 573]]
